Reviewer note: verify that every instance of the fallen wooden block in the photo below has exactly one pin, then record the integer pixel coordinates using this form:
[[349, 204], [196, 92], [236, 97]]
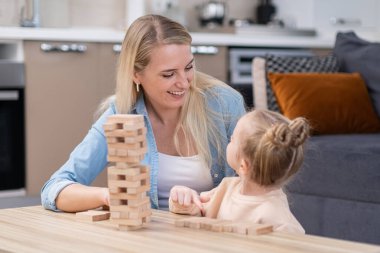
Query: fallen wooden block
[[93, 215], [247, 228]]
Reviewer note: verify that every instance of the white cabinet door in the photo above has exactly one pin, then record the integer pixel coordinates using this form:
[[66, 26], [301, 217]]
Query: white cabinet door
[[346, 14]]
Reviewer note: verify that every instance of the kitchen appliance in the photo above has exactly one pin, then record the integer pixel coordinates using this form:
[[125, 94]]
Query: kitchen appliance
[[211, 13], [12, 123], [265, 12], [240, 66]]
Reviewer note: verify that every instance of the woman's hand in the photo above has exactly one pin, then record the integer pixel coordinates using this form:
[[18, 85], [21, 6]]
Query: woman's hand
[[185, 196], [105, 196]]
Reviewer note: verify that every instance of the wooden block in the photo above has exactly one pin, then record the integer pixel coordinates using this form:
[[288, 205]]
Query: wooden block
[[130, 131], [206, 223], [120, 152], [123, 169], [125, 159], [123, 118], [112, 151], [112, 140], [259, 229], [136, 190], [218, 226], [132, 214], [130, 203], [138, 202], [109, 126], [192, 222], [93, 215], [127, 209], [137, 152], [251, 228], [122, 145], [140, 126], [138, 215], [123, 184], [134, 139], [127, 196], [179, 223]]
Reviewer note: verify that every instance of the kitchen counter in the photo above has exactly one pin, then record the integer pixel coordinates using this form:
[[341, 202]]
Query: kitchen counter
[[33, 229], [199, 38]]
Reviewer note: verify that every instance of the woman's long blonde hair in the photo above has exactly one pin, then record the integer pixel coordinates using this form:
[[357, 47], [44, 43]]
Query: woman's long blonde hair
[[273, 146], [145, 34]]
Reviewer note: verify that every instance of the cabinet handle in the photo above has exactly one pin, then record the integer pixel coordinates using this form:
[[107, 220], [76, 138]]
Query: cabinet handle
[[116, 48], [345, 21], [11, 95], [64, 48], [208, 50]]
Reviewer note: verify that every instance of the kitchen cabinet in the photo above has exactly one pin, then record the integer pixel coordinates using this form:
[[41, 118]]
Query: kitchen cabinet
[[63, 90], [212, 60], [343, 14]]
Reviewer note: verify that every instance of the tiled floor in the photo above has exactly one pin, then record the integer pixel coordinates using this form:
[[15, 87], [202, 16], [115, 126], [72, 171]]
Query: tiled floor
[[9, 202]]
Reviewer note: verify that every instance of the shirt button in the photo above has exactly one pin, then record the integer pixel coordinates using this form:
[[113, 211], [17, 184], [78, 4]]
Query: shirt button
[[216, 175]]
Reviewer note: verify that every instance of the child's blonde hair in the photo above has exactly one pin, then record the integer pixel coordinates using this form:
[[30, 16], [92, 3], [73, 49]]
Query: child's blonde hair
[[273, 146]]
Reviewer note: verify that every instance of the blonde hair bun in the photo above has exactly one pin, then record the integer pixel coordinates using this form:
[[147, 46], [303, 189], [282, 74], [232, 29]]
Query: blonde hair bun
[[293, 134], [279, 135], [300, 129]]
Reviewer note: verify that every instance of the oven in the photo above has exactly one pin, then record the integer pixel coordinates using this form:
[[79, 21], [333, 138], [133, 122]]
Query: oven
[[12, 126], [240, 66]]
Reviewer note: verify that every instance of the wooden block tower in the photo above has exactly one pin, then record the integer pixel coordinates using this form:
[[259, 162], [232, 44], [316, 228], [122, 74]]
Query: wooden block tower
[[128, 179]]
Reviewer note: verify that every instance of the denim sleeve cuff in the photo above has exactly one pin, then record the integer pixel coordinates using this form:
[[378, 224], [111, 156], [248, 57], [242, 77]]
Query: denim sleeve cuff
[[49, 195]]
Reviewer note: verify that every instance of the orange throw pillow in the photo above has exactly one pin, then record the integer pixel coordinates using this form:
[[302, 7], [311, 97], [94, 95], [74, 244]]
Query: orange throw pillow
[[335, 103]]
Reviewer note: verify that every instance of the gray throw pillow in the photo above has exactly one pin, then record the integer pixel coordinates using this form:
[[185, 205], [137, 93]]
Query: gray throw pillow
[[299, 64], [357, 55]]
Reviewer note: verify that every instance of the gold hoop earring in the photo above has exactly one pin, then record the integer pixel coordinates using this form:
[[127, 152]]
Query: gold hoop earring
[[137, 87]]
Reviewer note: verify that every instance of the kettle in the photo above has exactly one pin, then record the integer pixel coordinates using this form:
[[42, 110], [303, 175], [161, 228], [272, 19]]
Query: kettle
[[211, 13]]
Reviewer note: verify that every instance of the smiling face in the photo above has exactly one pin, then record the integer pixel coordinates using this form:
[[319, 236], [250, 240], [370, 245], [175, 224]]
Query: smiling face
[[166, 79]]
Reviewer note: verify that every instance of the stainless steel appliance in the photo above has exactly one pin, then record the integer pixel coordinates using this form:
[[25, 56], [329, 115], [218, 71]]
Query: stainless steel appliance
[[211, 13], [240, 66], [12, 123]]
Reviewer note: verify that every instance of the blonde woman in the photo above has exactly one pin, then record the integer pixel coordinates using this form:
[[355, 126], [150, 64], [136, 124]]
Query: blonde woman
[[190, 117], [266, 149]]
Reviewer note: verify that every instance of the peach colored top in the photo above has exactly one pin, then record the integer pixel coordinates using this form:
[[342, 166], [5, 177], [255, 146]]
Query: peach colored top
[[228, 203]]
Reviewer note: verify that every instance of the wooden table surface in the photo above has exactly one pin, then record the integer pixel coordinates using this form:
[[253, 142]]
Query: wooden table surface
[[33, 229]]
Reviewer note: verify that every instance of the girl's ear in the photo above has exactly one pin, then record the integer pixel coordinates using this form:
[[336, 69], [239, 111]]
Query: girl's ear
[[244, 167]]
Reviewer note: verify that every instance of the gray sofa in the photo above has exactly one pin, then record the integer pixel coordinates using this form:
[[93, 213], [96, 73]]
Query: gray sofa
[[337, 191]]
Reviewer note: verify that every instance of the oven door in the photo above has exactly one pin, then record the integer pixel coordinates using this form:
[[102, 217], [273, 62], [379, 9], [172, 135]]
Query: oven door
[[12, 139]]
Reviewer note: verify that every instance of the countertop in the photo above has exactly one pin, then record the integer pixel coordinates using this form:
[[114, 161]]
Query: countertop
[[199, 38], [321, 40], [33, 229]]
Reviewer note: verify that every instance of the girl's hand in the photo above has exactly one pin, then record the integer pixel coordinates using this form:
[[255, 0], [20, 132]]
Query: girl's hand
[[185, 196]]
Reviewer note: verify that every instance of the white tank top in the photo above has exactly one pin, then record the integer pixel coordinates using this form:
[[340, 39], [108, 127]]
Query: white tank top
[[177, 170]]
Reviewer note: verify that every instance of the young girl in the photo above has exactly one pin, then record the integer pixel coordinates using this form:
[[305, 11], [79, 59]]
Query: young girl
[[266, 149]]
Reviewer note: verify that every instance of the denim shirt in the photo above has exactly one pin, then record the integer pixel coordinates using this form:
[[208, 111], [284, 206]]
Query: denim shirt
[[89, 158]]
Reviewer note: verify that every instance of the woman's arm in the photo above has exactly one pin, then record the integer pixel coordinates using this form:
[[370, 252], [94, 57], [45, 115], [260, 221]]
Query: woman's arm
[[69, 185], [77, 197]]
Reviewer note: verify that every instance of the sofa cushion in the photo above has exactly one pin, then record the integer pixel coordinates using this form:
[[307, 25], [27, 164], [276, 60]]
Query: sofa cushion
[[357, 55], [333, 103], [303, 64], [341, 167]]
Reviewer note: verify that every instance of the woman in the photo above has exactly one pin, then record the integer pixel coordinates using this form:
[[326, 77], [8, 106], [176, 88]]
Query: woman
[[189, 117]]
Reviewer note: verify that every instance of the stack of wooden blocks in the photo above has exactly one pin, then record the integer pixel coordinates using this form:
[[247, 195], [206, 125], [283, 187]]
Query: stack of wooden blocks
[[128, 179]]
